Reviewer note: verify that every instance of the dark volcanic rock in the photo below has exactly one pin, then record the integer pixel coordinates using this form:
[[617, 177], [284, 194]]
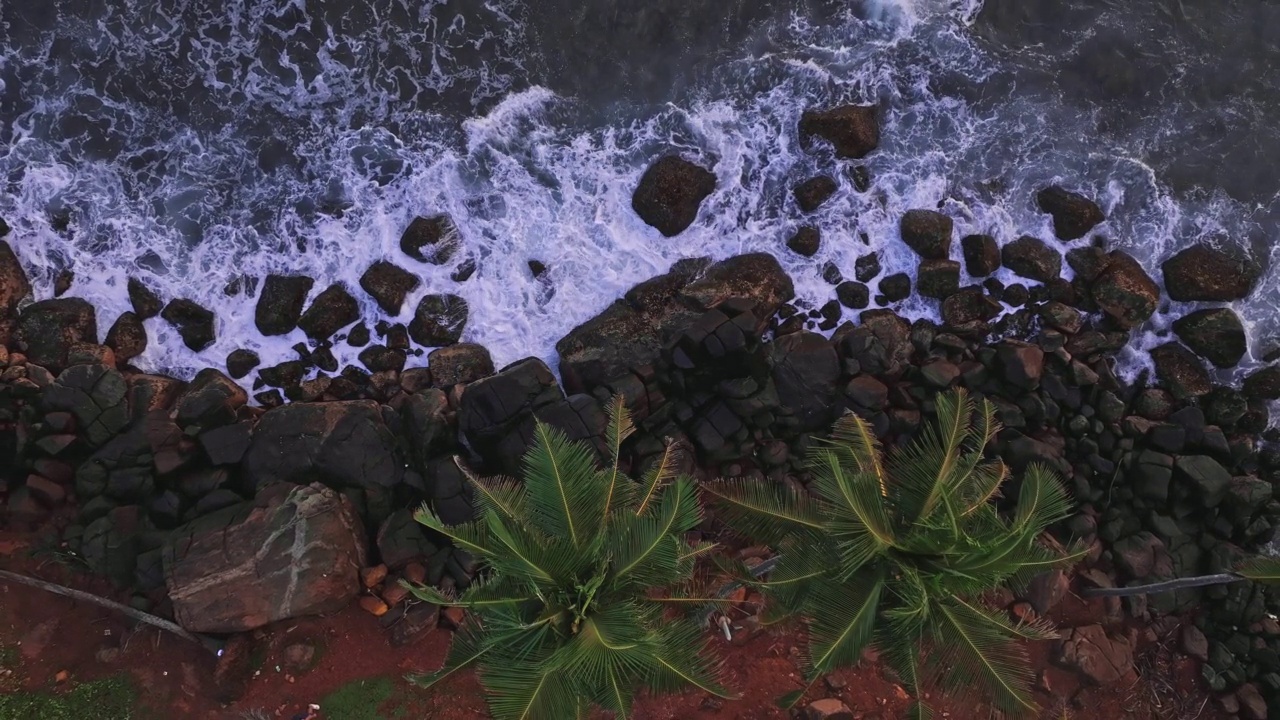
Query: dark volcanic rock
[[1215, 334], [459, 363], [981, 254], [1263, 384], [866, 267], [127, 337], [811, 193], [1088, 262], [853, 130], [432, 239], [194, 323], [1125, 292], [285, 375], [1031, 258], [388, 285], [95, 396], [968, 305], [1180, 371], [295, 550], [1074, 215], [805, 242], [927, 232], [379, 358], [853, 295], [895, 287], [493, 409], [280, 304], [343, 444], [332, 310], [670, 192], [51, 327], [1204, 273], [241, 363], [805, 370], [438, 320], [146, 303], [13, 281], [938, 278], [211, 400]]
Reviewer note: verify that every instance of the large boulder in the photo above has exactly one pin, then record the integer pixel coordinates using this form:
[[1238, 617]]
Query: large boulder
[[194, 323], [438, 320], [388, 285], [432, 239], [51, 327], [493, 409], [1263, 384], [342, 444], [805, 371], [95, 396], [1124, 291], [853, 130], [296, 550], [127, 337], [1180, 370], [1202, 273], [670, 193], [146, 303], [981, 254], [1074, 215], [459, 363], [1215, 334], [211, 400], [13, 281], [280, 303], [1031, 258], [927, 232], [332, 310], [811, 193]]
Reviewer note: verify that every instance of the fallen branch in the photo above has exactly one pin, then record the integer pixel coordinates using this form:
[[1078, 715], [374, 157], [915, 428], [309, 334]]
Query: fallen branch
[[1165, 586], [211, 644]]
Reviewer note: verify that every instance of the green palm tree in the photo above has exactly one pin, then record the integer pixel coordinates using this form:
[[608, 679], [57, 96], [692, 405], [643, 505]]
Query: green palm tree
[[585, 570], [895, 553]]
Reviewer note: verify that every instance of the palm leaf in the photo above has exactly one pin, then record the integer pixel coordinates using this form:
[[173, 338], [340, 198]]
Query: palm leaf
[[682, 660], [855, 435], [648, 550], [618, 430], [560, 478], [770, 512], [1260, 569], [843, 623], [502, 495], [976, 653], [470, 536], [656, 477]]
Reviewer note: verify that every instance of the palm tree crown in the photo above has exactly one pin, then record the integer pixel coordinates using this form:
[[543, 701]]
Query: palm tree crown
[[582, 566], [895, 552]]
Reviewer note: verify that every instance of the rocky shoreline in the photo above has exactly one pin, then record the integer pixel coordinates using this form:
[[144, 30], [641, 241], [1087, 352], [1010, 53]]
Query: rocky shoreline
[[229, 515]]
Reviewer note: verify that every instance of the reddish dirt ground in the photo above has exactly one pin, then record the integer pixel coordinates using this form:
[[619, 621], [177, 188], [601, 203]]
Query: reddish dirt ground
[[56, 634]]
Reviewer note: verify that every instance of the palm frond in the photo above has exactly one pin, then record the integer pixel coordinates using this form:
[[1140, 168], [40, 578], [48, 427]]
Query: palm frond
[[618, 430], [843, 623], [565, 499], [766, 511], [974, 653], [1264, 569], [682, 660], [855, 435], [648, 550], [655, 478], [502, 495], [470, 536]]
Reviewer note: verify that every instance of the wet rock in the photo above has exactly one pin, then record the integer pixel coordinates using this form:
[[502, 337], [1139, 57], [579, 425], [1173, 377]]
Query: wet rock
[[146, 303], [1125, 292], [756, 277], [62, 282], [1263, 384], [379, 358], [280, 304], [927, 232], [332, 310], [811, 193], [1031, 258], [464, 271], [95, 396], [853, 295], [1180, 371], [968, 305], [938, 278], [285, 375], [296, 550], [1202, 273], [459, 363], [51, 327], [152, 392], [1074, 215], [241, 363], [670, 192], [388, 285], [1097, 656], [896, 287], [1214, 334], [438, 320], [127, 338], [13, 281], [853, 130], [1088, 262], [805, 370], [433, 240], [359, 335], [194, 324], [866, 267], [805, 241], [981, 254], [212, 399]]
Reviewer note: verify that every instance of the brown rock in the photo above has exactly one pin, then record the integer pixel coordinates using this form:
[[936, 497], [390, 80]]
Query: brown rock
[[127, 337], [1125, 291], [1074, 215], [394, 594], [459, 363], [373, 576], [415, 573], [1098, 657], [828, 709], [388, 285], [1202, 273], [670, 193], [299, 656], [853, 130], [13, 281], [451, 617], [374, 606]]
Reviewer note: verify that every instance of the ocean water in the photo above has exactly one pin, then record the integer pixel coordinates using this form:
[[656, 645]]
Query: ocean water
[[189, 142]]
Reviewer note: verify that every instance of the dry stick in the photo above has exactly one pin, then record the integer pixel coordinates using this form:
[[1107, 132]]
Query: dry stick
[[1165, 586], [153, 620]]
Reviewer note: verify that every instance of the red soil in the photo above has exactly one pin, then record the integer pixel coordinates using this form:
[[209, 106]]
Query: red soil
[[58, 634]]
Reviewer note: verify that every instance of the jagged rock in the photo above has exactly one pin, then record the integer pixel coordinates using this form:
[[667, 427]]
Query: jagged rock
[[968, 305], [1062, 317], [981, 254], [51, 327], [379, 358], [152, 392], [280, 304], [212, 399], [227, 445], [866, 267], [332, 310], [896, 287], [853, 130], [1205, 475], [296, 550], [938, 278], [13, 281], [127, 338], [493, 408], [432, 239], [438, 320], [805, 241], [1215, 334], [1263, 384], [1098, 657], [388, 285], [1074, 215], [146, 303], [670, 192], [344, 444], [1088, 262], [853, 295], [194, 323], [1022, 364], [1202, 273], [241, 363], [881, 342], [1194, 643], [927, 232], [1048, 589], [805, 370], [1142, 556], [1031, 258], [1125, 292], [95, 396], [459, 363], [1180, 370], [811, 193]]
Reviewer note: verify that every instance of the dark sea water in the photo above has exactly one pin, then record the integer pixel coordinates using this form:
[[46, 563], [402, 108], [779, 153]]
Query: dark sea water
[[188, 142]]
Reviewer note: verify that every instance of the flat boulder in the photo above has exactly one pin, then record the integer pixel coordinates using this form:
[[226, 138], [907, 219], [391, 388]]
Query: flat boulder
[[1181, 372], [1031, 258], [1203, 273], [295, 550], [388, 284], [1124, 291], [343, 444], [332, 310], [195, 324], [459, 363], [433, 240], [1215, 334], [280, 303], [928, 232], [51, 327], [1074, 215], [670, 193], [853, 130], [438, 320], [13, 281], [805, 371]]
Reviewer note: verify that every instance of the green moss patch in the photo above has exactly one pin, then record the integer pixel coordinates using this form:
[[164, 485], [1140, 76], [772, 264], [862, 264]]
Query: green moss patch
[[112, 698]]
